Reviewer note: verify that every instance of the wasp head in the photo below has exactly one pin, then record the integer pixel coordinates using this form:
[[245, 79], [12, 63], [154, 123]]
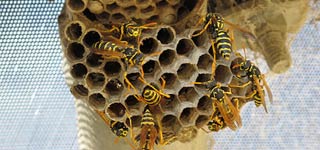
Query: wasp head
[[245, 65]]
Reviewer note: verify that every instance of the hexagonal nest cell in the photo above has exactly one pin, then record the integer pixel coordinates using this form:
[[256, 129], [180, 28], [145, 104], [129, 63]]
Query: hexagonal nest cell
[[172, 56]]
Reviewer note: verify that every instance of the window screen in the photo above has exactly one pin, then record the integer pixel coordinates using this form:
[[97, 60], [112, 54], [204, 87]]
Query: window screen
[[37, 110]]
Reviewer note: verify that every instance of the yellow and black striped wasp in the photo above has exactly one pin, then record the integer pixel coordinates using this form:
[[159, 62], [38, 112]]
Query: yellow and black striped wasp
[[253, 73], [132, 56], [114, 48], [118, 128], [131, 30], [219, 36], [229, 113], [151, 95], [216, 123], [150, 133]]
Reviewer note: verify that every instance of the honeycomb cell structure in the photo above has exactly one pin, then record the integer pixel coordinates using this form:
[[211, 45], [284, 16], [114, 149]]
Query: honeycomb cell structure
[[174, 59]]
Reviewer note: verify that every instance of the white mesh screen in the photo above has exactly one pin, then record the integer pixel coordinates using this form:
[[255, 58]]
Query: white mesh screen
[[37, 110]]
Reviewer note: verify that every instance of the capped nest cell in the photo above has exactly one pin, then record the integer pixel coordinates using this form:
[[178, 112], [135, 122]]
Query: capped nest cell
[[173, 58]]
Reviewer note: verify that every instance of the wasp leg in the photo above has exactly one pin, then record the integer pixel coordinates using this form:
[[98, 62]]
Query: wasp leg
[[155, 89], [131, 133], [111, 30], [103, 117], [130, 85], [267, 88], [163, 83], [203, 29], [117, 41], [149, 25], [162, 142], [239, 86]]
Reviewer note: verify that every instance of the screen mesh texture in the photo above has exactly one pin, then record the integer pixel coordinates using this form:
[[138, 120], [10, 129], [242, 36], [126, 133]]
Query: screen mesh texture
[[37, 110]]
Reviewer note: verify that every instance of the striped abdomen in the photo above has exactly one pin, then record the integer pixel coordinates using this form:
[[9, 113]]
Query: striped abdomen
[[151, 97], [148, 132], [257, 99], [223, 44], [108, 46]]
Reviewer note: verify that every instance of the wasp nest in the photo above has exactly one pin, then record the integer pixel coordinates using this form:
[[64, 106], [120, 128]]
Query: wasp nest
[[181, 60]]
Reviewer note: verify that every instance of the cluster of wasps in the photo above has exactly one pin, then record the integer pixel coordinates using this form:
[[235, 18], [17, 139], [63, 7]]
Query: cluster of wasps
[[226, 110]]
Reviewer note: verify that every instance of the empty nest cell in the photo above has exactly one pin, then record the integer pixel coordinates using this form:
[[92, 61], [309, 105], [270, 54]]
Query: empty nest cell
[[170, 123], [79, 91], [118, 17], [169, 104], [94, 60], [77, 5], [150, 67], [170, 79], [205, 105], [114, 87], [75, 51], [184, 47], [147, 10], [130, 10], [73, 31], [132, 102], [112, 68], [135, 121], [199, 40], [116, 111], [186, 71], [201, 121], [103, 17], [165, 35], [91, 37], [188, 115], [235, 90], [95, 80], [78, 71], [205, 62], [97, 101], [188, 94], [167, 57], [133, 79], [91, 16], [202, 78], [223, 74], [149, 45]]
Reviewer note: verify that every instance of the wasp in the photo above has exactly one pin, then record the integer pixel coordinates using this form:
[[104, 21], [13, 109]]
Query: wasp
[[255, 77], [151, 95], [131, 30], [118, 49], [149, 133], [221, 101], [216, 123], [219, 36], [117, 128]]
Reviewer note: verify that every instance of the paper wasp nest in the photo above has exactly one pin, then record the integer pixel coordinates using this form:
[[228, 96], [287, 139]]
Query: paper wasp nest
[[183, 59]]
